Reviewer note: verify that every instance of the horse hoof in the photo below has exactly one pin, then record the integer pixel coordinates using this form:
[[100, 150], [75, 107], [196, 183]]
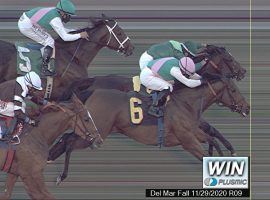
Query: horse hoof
[[234, 154], [50, 161], [58, 180]]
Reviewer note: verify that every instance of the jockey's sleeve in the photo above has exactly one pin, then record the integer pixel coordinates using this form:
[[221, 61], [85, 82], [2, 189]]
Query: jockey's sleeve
[[195, 76], [19, 108], [59, 28], [176, 72]]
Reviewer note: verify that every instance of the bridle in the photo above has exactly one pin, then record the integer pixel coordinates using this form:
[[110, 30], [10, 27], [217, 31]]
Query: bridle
[[121, 46], [226, 80], [234, 105], [89, 136], [218, 69]]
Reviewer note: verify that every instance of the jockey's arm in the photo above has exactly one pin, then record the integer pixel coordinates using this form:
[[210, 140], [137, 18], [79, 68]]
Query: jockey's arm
[[38, 100], [176, 72], [195, 76], [59, 28], [19, 111]]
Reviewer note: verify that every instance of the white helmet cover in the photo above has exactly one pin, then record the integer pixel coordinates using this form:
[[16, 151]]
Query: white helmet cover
[[33, 80]]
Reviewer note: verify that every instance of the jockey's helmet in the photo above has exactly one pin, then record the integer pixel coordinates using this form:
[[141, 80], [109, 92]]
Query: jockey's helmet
[[191, 47], [66, 6], [187, 65], [32, 79]]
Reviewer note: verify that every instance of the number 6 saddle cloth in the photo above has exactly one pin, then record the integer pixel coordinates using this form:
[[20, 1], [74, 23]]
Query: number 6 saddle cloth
[[140, 99]]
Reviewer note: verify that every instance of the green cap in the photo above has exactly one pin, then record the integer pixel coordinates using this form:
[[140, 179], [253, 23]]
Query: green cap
[[192, 47], [66, 6]]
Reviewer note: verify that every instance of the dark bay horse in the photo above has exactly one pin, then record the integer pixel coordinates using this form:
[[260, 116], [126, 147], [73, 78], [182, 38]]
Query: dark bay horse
[[219, 58], [31, 154], [110, 110], [72, 58]]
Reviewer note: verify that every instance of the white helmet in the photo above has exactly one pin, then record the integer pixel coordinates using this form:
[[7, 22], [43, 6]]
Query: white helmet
[[33, 80]]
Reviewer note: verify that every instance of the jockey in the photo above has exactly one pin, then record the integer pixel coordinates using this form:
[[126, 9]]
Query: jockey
[[36, 23], [174, 49], [13, 93], [160, 74]]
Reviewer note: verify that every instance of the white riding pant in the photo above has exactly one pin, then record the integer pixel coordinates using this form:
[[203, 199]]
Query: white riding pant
[[144, 60], [150, 80], [34, 32]]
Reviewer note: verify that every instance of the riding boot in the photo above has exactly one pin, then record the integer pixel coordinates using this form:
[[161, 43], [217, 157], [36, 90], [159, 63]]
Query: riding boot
[[47, 54], [159, 101]]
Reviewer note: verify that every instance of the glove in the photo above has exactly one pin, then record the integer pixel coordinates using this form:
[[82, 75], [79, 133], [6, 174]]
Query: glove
[[210, 77], [31, 121], [203, 81]]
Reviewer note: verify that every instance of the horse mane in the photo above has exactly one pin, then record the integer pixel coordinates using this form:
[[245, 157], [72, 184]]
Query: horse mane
[[214, 50], [52, 107]]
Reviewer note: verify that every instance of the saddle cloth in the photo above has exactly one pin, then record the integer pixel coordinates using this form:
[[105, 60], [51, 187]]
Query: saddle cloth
[[29, 58], [140, 100], [9, 151]]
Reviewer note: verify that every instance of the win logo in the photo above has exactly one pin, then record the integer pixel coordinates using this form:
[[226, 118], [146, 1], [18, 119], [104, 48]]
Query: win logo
[[225, 172], [228, 168]]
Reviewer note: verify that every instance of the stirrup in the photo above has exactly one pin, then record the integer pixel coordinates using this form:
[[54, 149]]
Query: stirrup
[[155, 111], [17, 141], [46, 72]]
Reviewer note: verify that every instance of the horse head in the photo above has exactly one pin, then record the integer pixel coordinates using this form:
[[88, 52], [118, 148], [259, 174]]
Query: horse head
[[107, 32], [230, 97], [233, 99], [224, 63], [80, 119]]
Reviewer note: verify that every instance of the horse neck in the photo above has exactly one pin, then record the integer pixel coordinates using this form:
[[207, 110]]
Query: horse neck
[[197, 99], [85, 51], [58, 121]]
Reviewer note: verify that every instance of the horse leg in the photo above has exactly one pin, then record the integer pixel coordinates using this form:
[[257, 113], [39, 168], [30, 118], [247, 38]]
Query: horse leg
[[212, 131], [58, 148], [64, 174], [213, 143], [10, 182], [210, 150], [35, 186], [203, 137], [191, 144]]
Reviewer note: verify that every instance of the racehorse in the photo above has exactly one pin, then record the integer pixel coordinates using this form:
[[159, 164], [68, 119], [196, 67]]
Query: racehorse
[[72, 58], [31, 154], [110, 110], [70, 142], [219, 58]]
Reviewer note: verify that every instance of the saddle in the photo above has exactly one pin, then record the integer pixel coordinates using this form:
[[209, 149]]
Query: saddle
[[159, 99], [140, 100], [29, 58]]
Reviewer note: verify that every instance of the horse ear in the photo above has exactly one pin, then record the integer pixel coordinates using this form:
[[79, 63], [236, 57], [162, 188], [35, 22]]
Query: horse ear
[[93, 20], [103, 16]]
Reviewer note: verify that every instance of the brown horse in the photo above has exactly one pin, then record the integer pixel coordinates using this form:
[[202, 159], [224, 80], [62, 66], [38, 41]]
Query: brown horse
[[219, 58], [72, 58], [111, 113], [31, 154], [220, 61]]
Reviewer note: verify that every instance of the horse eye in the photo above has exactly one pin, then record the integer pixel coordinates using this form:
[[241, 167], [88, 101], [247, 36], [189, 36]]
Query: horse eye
[[86, 119]]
